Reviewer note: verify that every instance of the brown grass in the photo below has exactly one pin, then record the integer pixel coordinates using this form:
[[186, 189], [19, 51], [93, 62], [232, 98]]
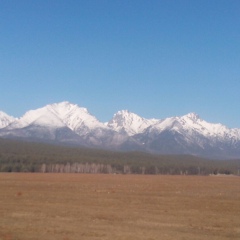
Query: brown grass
[[119, 207]]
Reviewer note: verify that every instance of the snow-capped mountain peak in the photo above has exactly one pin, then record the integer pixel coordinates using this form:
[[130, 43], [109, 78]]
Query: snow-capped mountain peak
[[75, 117], [131, 123], [63, 114], [39, 117], [191, 124], [69, 123], [194, 122], [192, 116], [64, 109], [5, 119]]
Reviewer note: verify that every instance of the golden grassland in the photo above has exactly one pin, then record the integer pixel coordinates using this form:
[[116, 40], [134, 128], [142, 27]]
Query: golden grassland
[[119, 207]]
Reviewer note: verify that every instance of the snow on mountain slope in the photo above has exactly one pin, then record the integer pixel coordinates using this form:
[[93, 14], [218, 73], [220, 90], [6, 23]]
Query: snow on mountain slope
[[191, 123], [63, 122], [130, 123], [39, 117], [68, 123], [5, 119], [207, 129], [75, 117], [63, 114]]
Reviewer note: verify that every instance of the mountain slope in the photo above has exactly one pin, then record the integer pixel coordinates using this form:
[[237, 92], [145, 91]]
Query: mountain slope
[[191, 135], [5, 119], [129, 123], [68, 123], [59, 122]]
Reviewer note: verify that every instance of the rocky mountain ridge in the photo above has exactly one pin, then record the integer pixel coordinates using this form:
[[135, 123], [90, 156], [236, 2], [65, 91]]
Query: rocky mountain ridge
[[67, 123]]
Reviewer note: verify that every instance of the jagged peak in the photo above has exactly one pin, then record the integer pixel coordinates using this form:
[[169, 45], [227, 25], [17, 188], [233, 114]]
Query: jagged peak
[[5, 119], [192, 129], [124, 112], [3, 114], [192, 115], [66, 106], [126, 116], [129, 122]]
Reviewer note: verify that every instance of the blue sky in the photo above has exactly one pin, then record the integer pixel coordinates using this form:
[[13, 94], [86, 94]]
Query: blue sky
[[155, 58]]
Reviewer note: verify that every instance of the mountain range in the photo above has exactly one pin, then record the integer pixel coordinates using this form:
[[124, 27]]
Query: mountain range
[[67, 123]]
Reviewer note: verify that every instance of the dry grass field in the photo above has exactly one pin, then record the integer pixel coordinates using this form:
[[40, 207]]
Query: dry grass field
[[119, 207]]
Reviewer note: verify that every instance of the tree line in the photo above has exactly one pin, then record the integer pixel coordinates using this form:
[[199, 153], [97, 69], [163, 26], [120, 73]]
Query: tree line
[[19, 156]]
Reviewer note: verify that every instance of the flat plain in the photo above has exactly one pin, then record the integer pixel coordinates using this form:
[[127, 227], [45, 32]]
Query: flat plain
[[120, 207]]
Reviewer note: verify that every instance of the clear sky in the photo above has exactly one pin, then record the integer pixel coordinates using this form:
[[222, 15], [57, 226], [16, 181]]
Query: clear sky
[[157, 59]]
